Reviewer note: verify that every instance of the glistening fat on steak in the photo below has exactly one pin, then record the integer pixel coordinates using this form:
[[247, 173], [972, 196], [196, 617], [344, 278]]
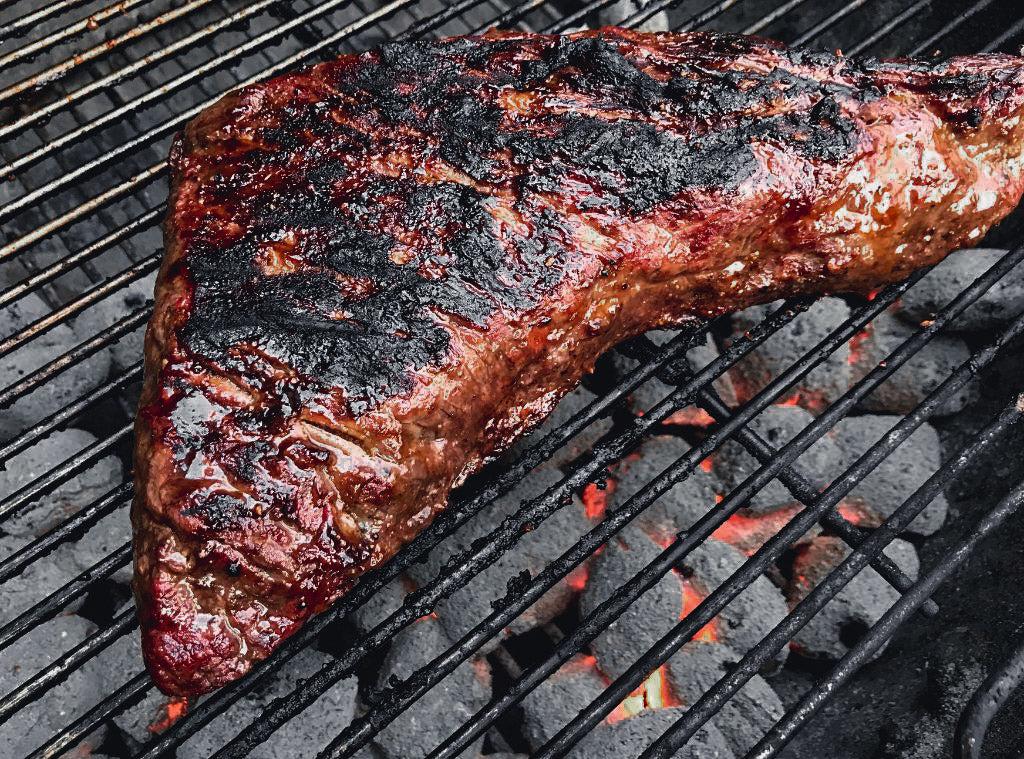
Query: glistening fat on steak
[[381, 271]]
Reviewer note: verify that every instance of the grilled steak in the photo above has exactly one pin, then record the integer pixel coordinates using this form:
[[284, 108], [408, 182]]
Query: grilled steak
[[380, 271]]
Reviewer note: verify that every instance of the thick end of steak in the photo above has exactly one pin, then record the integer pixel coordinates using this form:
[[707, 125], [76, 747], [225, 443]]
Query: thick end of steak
[[380, 271]]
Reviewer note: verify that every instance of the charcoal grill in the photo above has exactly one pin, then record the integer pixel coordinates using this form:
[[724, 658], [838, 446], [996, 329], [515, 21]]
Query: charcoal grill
[[90, 94]]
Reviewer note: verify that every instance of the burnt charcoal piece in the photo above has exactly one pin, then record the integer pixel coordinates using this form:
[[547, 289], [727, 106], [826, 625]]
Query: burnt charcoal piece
[[649, 394], [898, 475], [1001, 303], [629, 737], [314, 729], [819, 388], [744, 718], [646, 619], [444, 707], [39, 720], [837, 627], [37, 580], [912, 382], [553, 703], [684, 503], [78, 492], [126, 352], [468, 606], [382, 271], [740, 625], [60, 390], [777, 425], [580, 445]]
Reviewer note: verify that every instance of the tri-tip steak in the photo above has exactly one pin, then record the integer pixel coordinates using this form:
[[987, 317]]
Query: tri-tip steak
[[380, 271]]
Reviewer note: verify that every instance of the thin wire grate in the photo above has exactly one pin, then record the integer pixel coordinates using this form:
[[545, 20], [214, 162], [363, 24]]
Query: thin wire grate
[[58, 220]]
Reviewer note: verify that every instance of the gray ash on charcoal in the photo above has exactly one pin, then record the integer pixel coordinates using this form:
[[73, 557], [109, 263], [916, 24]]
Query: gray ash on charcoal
[[468, 606], [918, 377], [750, 616], [825, 383], [681, 506], [442, 709], [777, 425]]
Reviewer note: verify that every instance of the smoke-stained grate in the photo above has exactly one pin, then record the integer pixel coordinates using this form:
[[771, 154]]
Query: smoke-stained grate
[[528, 636]]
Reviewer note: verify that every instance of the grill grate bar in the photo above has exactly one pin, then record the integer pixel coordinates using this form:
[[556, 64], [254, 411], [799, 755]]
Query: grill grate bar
[[58, 671], [805, 492], [68, 32], [774, 16], [123, 698], [698, 715], [60, 70], [513, 15], [1005, 37], [61, 417], [157, 169], [94, 204], [164, 91], [829, 21], [50, 481], [73, 308], [53, 603], [81, 520], [958, 21], [889, 26], [578, 17], [713, 603], [45, 276], [989, 698], [100, 340], [19, 26]]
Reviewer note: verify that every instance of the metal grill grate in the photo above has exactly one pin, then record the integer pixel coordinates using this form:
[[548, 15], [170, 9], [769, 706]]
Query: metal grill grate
[[89, 96]]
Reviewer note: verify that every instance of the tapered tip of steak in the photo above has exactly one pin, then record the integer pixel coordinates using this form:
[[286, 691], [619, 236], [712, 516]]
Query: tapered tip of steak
[[188, 654]]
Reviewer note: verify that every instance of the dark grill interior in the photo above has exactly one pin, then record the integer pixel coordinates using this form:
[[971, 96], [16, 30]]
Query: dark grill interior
[[90, 95]]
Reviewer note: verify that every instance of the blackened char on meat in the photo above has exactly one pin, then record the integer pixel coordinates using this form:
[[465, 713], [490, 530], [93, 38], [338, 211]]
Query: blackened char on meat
[[380, 271]]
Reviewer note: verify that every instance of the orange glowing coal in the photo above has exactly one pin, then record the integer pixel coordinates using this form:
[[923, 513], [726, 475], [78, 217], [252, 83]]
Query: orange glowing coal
[[691, 600], [857, 346], [595, 498], [691, 416], [174, 710], [707, 465], [577, 579], [653, 693], [748, 532], [793, 400]]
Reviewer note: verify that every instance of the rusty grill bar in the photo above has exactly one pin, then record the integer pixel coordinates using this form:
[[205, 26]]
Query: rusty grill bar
[[51, 192]]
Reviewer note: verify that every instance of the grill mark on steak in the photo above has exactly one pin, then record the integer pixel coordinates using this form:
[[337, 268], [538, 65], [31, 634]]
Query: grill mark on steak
[[381, 271]]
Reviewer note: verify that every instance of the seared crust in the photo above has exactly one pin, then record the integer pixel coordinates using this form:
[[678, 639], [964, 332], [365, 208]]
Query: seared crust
[[381, 271]]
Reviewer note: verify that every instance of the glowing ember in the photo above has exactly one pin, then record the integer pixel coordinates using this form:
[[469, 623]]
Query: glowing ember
[[595, 498], [707, 465], [691, 599], [748, 532], [577, 579], [653, 693], [175, 710], [793, 400], [691, 416], [857, 346]]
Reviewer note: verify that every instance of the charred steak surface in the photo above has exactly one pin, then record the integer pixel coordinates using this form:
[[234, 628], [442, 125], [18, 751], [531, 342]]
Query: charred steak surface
[[380, 271]]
